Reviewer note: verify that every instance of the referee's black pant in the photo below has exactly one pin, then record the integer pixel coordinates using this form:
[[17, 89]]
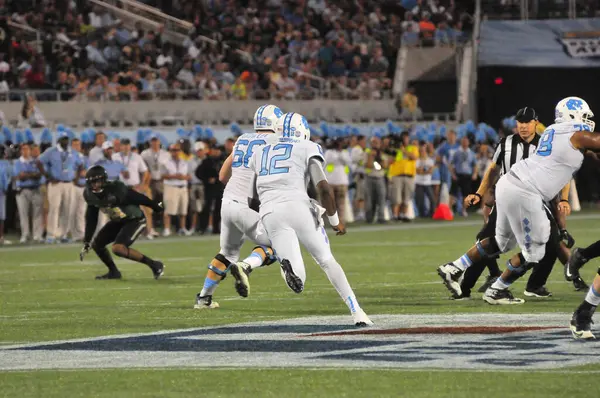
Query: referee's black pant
[[539, 275]]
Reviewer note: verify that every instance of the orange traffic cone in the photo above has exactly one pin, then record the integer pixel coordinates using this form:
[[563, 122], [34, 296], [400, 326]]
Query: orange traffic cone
[[443, 212]]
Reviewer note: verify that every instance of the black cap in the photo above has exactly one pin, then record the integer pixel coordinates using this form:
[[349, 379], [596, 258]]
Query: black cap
[[526, 115]]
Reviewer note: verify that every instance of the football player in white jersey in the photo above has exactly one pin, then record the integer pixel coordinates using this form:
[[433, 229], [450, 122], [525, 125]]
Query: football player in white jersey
[[282, 172], [520, 195], [238, 220]]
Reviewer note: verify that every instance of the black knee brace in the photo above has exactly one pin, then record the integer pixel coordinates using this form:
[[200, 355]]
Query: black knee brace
[[492, 251]]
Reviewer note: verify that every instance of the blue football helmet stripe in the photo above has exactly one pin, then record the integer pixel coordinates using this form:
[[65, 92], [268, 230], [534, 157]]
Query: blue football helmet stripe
[[259, 115]]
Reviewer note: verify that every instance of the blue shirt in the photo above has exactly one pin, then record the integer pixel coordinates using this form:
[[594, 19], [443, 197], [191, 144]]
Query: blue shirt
[[59, 164], [464, 161], [446, 151], [5, 174], [26, 166], [113, 168], [85, 163]]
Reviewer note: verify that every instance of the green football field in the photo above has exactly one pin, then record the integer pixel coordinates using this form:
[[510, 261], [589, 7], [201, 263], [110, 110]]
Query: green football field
[[47, 295]]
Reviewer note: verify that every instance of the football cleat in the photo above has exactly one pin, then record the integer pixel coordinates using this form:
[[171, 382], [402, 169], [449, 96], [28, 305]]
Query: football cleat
[[500, 297], [361, 319], [579, 284], [581, 325], [158, 269], [540, 292], [576, 261], [487, 284], [205, 302], [461, 297], [240, 272], [109, 275], [293, 281], [451, 276]]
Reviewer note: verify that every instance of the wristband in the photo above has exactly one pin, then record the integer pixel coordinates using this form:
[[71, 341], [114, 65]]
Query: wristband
[[334, 220], [564, 200], [478, 195]]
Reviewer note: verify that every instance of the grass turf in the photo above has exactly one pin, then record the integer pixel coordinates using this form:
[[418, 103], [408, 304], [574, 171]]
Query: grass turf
[[47, 294]]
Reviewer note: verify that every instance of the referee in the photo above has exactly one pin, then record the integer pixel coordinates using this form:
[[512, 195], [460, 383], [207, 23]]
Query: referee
[[509, 151]]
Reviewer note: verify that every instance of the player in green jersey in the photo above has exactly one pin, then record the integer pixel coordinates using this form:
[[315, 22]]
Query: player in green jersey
[[126, 221]]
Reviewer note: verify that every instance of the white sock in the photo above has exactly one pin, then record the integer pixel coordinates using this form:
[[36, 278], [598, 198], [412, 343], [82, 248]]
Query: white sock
[[255, 260], [338, 279], [463, 262], [593, 297], [500, 284]]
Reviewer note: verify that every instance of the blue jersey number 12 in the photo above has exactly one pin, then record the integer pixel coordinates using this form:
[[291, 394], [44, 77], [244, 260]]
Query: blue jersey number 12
[[268, 168], [545, 145]]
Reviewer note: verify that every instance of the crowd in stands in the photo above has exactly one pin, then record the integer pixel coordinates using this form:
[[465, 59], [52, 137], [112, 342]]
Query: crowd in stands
[[272, 49], [376, 177]]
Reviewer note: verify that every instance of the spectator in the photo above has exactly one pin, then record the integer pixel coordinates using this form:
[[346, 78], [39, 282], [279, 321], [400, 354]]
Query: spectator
[[376, 163], [427, 27], [337, 169], [443, 35], [175, 176], [5, 177], [464, 169], [424, 190], [115, 170], [196, 186], [357, 155], [96, 153], [59, 164], [30, 113], [78, 205], [29, 198], [238, 89], [402, 173], [410, 37], [154, 157], [286, 86], [208, 173], [410, 105]]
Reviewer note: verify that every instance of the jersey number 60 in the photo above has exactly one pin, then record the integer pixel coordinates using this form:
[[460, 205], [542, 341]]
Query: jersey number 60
[[242, 158]]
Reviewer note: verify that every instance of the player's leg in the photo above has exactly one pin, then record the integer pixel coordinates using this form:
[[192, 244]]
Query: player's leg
[[128, 234], [578, 258], [231, 241], [104, 237], [564, 256], [285, 242], [502, 241], [262, 255], [23, 206], [531, 228], [581, 321], [540, 273], [314, 238]]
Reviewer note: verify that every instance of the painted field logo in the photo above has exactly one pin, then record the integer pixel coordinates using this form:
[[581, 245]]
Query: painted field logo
[[468, 341]]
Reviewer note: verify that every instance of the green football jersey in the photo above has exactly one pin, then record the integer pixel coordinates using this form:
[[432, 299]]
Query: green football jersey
[[112, 201]]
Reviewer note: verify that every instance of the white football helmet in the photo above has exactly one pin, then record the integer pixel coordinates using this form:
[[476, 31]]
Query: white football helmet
[[574, 109], [266, 116], [293, 126]]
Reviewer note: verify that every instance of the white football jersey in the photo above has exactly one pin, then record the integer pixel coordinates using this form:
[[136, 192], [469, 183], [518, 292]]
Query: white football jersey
[[554, 162], [238, 186], [282, 171]]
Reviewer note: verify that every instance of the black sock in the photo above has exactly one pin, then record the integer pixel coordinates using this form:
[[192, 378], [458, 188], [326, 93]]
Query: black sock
[[585, 306], [592, 251], [492, 265], [148, 261], [106, 258]]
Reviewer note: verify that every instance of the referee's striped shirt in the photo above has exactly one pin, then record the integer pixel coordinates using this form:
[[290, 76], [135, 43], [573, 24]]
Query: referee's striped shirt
[[512, 149]]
